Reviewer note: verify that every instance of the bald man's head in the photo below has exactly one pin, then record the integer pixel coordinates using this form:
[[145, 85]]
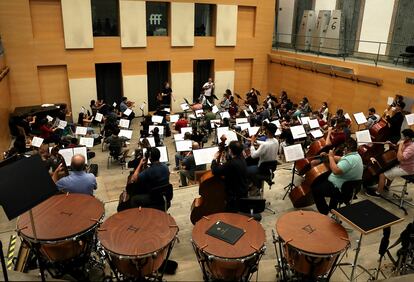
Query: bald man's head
[[78, 162], [195, 146]]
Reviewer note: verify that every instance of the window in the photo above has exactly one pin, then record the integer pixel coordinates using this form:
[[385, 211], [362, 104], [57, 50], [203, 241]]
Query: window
[[157, 18], [203, 22], [105, 17]]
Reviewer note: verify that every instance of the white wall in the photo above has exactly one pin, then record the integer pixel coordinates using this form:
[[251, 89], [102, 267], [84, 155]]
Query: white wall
[[182, 85], [226, 25], [323, 5], [77, 23], [285, 20], [223, 80], [182, 24], [376, 24], [133, 23], [82, 91], [136, 90]]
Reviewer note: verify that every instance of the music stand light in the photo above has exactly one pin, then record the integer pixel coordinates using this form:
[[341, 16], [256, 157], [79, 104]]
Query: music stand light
[[17, 196]]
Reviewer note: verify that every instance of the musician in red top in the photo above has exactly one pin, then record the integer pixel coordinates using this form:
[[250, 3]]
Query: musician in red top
[[405, 157], [181, 122]]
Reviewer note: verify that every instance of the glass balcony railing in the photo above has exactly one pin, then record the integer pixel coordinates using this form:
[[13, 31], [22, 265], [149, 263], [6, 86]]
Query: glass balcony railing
[[383, 53]]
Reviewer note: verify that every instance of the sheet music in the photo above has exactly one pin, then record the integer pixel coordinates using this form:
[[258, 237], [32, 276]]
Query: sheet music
[[298, 131], [142, 106], [62, 124], [241, 120], [67, 155], [167, 110], [86, 141], [230, 135], [37, 142], [266, 120], [125, 133], [80, 130], [199, 113], [293, 153], [81, 151], [276, 122], [244, 126], [250, 109], [161, 129], [49, 118], [186, 129], [174, 118], [224, 115], [360, 118], [213, 122], [390, 100], [363, 137], [150, 140], [205, 155], [347, 116], [178, 137], [114, 104], [304, 120], [221, 131], [278, 132], [184, 146], [127, 112], [316, 133], [192, 116], [215, 109], [246, 113], [184, 106], [410, 119], [124, 123], [98, 117], [313, 123], [157, 119], [163, 154], [253, 130]]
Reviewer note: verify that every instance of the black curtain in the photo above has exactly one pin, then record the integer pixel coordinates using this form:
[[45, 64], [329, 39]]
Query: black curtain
[[109, 82], [157, 74], [202, 71]]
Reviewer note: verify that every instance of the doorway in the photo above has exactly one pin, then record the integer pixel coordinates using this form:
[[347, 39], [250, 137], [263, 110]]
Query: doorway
[[109, 82], [202, 69], [157, 73]]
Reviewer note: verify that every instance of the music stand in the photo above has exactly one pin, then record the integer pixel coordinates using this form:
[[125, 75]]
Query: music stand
[[366, 217], [292, 154], [18, 197]]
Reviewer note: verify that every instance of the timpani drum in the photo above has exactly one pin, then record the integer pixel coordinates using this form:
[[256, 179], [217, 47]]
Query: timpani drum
[[312, 241], [65, 225], [138, 240], [220, 260]]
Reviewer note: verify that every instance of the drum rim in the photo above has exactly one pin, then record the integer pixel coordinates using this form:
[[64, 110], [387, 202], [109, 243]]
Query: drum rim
[[313, 254]]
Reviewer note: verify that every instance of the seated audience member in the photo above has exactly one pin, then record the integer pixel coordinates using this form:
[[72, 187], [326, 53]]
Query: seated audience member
[[117, 144], [78, 181], [405, 155], [143, 180], [372, 118], [234, 172], [181, 122], [346, 168], [190, 166]]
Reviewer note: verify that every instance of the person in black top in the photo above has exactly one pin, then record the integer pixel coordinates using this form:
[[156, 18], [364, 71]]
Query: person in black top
[[395, 122], [235, 175], [166, 94]]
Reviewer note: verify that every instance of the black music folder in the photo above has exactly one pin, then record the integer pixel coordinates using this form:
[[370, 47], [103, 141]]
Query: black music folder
[[225, 232]]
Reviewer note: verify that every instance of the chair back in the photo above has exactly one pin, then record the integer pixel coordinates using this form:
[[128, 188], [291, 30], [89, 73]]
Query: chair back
[[257, 205], [409, 49], [349, 189], [161, 197], [267, 168]]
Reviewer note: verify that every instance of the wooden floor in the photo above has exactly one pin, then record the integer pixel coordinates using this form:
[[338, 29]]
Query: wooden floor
[[111, 182]]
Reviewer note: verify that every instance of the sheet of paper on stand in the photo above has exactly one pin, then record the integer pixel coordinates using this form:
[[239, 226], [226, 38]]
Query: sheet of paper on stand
[[114, 104], [150, 140], [277, 122], [125, 133], [184, 146], [205, 155], [184, 106], [221, 131], [246, 113], [192, 116], [298, 131], [37, 142], [67, 155], [293, 153], [81, 151], [163, 154], [347, 116], [266, 120], [167, 110], [157, 119], [124, 123], [49, 118], [244, 126], [62, 124], [174, 118], [186, 129], [160, 129], [390, 100], [250, 109], [253, 130], [142, 106], [241, 120], [230, 135], [86, 141], [98, 117], [313, 123], [80, 130], [360, 118], [127, 112], [363, 137], [215, 109], [410, 119], [278, 132], [199, 113], [316, 133], [304, 120], [224, 115], [214, 122], [178, 137]]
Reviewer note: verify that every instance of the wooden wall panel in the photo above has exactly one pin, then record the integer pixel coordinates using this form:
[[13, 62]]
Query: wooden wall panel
[[182, 24], [4, 110], [53, 83], [46, 19], [246, 22], [226, 25], [133, 24], [243, 69], [136, 89], [182, 85], [82, 91], [77, 23]]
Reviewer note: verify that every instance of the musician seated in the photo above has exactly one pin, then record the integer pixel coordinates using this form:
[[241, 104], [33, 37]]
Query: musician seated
[[395, 122], [267, 151], [372, 118], [190, 166], [123, 106], [225, 103], [117, 144], [405, 156], [143, 181], [78, 181], [181, 122], [346, 168], [234, 172]]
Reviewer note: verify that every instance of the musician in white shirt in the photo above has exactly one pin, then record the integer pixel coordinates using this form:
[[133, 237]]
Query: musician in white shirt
[[208, 88]]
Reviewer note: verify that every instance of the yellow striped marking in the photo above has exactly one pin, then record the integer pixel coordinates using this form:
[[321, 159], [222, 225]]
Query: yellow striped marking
[[10, 252]]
